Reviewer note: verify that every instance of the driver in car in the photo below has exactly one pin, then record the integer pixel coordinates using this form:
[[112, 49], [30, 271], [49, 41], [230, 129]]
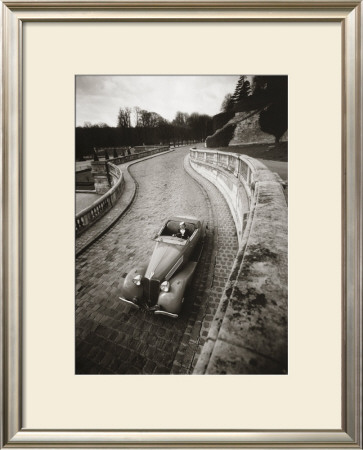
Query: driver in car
[[183, 232]]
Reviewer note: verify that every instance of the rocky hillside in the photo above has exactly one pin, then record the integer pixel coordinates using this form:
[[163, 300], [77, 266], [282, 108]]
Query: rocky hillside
[[243, 128], [257, 113]]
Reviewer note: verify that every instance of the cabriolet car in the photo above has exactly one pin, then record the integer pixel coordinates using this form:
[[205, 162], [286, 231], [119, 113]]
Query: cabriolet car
[[160, 286]]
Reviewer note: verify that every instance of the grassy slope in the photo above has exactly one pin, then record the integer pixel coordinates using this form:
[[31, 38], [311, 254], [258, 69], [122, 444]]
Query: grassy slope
[[260, 151]]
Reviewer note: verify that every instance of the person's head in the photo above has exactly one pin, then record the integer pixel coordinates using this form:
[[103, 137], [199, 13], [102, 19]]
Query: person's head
[[182, 225]]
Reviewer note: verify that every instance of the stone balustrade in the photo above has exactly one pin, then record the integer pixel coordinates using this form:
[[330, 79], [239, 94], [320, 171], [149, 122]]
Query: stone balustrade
[[109, 181], [234, 175], [151, 150], [249, 331], [89, 215]]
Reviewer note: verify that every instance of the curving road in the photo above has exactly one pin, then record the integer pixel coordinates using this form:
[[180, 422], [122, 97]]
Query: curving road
[[112, 338]]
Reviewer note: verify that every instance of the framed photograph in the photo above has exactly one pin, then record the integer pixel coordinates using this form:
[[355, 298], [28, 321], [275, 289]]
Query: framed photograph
[[228, 132], [161, 305]]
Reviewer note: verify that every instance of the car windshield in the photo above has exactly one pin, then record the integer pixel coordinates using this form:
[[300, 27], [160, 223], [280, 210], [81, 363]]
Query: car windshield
[[173, 227], [171, 240]]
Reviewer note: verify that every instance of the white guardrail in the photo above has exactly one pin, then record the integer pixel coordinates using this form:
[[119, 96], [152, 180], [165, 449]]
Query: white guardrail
[[236, 177], [253, 307]]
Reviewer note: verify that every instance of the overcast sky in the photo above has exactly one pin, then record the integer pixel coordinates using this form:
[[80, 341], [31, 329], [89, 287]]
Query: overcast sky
[[99, 98]]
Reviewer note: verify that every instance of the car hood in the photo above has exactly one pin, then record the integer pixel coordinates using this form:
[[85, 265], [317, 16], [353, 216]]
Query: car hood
[[164, 258]]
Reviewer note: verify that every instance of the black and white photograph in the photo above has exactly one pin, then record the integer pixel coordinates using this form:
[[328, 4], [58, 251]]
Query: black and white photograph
[[181, 196], [181, 227]]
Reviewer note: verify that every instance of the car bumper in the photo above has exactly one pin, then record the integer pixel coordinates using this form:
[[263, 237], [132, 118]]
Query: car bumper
[[129, 302], [165, 313]]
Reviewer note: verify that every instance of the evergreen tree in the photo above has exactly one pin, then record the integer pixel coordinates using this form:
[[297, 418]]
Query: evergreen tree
[[238, 88], [243, 89]]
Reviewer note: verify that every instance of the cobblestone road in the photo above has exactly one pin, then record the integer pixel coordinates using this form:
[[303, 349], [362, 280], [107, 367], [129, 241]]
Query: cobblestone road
[[111, 338]]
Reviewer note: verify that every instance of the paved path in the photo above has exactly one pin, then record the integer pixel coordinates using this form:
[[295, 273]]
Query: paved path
[[120, 207], [111, 337]]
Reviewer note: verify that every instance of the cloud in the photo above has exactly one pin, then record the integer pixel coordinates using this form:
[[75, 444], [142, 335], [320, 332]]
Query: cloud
[[99, 97]]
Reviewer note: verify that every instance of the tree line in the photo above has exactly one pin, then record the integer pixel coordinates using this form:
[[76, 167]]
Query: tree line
[[136, 126]]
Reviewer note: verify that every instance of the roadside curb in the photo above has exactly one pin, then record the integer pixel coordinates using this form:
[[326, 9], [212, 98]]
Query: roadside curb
[[107, 227]]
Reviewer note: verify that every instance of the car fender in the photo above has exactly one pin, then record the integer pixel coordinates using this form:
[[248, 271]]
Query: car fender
[[129, 289], [172, 301]]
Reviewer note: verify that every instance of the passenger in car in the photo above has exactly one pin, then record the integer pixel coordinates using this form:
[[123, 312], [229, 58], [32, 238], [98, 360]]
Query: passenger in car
[[183, 232]]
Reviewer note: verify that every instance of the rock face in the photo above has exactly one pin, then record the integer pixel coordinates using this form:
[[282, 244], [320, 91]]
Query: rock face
[[243, 128], [248, 130]]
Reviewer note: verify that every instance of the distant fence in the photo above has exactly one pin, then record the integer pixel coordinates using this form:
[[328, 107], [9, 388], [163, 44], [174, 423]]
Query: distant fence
[[120, 151], [89, 215], [152, 150]]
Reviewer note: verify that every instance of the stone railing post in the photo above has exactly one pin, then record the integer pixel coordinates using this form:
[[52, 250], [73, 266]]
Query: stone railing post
[[101, 176]]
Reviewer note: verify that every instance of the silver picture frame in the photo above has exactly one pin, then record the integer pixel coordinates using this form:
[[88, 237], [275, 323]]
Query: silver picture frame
[[18, 12]]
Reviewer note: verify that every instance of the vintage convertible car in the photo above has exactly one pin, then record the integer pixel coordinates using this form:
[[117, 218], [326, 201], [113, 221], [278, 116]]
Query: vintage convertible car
[[160, 286]]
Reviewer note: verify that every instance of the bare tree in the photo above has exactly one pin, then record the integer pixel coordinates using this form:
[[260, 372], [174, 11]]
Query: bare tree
[[137, 116], [124, 118], [227, 104], [181, 119]]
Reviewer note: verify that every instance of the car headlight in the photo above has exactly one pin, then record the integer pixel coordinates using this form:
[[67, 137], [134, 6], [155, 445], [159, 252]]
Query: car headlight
[[165, 286], [137, 280]]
